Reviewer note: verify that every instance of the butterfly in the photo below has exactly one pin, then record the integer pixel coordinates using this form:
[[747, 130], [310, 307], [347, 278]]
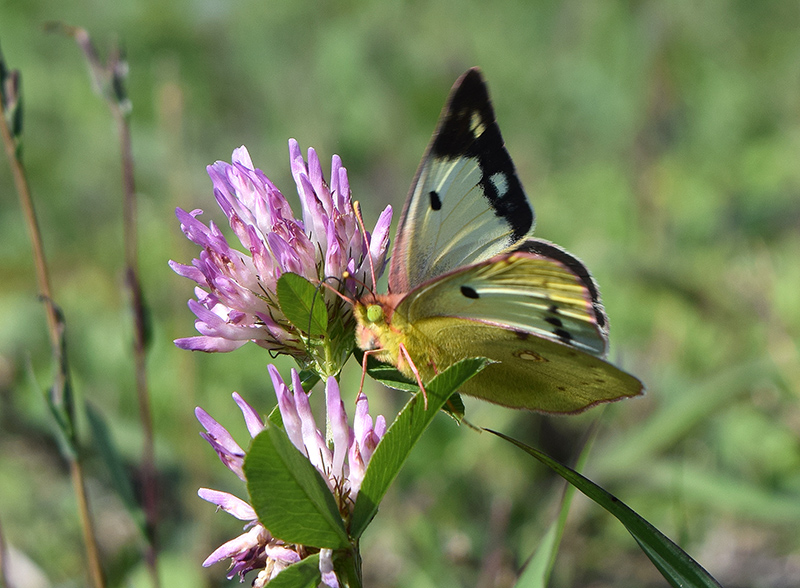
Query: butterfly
[[467, 279]]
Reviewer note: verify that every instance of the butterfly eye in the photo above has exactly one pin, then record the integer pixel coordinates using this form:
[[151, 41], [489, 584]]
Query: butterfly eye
[[374, 313]]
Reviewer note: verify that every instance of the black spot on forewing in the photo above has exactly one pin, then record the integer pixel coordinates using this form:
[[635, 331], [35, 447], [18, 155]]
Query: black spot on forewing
[[467, 128], [436, 202], [555, 321], [469, 292]]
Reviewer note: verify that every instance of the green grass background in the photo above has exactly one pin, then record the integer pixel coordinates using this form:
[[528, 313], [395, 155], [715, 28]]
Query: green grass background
[[659, 141]]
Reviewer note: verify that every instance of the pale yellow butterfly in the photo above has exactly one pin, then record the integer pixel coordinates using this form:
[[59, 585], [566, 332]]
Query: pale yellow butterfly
[[467, 279]]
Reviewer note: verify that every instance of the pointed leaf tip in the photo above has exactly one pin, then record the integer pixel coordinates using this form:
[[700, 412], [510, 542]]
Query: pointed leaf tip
[[303, 304]]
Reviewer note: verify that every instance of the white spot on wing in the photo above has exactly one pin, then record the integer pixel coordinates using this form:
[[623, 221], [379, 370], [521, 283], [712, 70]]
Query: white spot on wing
[[476, 125], [500, 183]]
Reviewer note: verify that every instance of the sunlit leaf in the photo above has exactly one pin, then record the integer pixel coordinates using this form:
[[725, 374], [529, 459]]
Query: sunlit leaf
[[303, 304], [303, 574], [403, 434], [677, 567], [289, 495]]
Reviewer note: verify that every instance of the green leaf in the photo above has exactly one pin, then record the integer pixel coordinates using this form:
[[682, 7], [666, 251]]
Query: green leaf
[[289, 495], [102, 441], [308, 378], [677, 567], [303, 304], [389, 376], [303, 574], [455, 407], [400, 438], [538, 568]]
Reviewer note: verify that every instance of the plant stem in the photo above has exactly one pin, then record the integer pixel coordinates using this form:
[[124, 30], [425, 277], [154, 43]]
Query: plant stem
[[76, 472], [61, 384], [149, 473], [109, 79], [350, 568], [5, 580]]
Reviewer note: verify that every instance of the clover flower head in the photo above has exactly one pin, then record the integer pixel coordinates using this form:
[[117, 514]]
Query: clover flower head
[[342, 465], [236, 286]]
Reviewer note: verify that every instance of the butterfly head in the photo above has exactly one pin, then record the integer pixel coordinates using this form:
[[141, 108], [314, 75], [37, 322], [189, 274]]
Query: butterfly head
[[371, 320], [374, 314]]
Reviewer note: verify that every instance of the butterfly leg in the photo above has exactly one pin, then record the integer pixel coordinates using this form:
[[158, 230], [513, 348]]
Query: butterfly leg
[[364, 367], [414, 369]]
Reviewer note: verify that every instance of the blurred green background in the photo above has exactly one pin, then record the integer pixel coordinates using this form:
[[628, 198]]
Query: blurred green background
[[659, 142]]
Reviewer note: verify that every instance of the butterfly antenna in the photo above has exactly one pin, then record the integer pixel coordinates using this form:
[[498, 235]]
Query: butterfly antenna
[[348, 276], [357, 211], [323, 283]]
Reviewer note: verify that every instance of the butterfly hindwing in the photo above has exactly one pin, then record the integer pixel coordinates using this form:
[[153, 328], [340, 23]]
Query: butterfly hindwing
[[531, 372], [526, 291], [466, 185], [537, 313]]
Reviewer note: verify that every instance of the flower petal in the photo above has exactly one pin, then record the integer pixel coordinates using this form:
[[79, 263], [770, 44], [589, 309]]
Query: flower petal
[[229, 503], [340, 430], [208, 344], [291, 420], [251, 418], [316, 449], [234, 547], [326, 568]]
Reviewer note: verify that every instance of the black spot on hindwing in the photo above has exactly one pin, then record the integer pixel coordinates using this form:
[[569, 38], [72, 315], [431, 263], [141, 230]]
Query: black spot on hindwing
[[469, 292], [468, 128], [563, 336]]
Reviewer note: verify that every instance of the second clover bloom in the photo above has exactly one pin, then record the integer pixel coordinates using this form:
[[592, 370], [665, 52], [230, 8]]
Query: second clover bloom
[[236, 287], [342, 465]]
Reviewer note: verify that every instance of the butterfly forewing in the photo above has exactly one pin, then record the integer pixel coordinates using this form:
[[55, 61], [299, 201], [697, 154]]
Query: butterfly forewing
[[466, 185]]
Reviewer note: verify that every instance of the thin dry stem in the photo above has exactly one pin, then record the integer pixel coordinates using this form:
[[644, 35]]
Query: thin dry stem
[[54, 330], [109, 82], [5, 580], [96, 572]]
